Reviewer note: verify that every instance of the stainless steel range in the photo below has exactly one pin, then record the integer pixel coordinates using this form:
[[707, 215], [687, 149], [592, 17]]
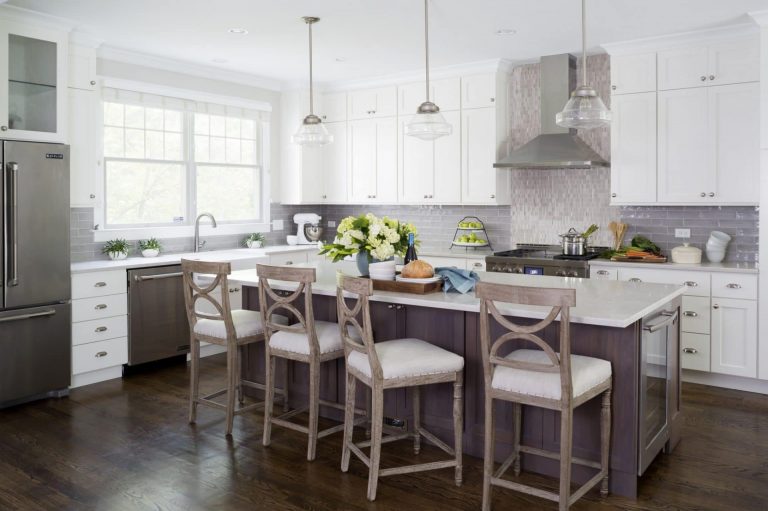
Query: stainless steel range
[[532, 259]]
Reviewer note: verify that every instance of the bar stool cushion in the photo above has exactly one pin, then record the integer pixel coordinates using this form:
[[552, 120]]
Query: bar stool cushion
[[408, 357], [247, 323], [328, 338], [586, 373]]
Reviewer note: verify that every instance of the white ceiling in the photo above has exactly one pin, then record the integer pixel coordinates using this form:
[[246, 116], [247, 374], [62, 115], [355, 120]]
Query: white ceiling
[[375, 37]]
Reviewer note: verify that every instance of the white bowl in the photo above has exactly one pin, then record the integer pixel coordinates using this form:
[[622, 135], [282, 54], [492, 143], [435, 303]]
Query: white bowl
[[715, 256], [381, 272], [383, 277], [382, 265], [720, 236], [292, 239]]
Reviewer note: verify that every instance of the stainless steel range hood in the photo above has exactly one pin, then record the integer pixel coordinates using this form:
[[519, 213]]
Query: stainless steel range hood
[[556, 147]]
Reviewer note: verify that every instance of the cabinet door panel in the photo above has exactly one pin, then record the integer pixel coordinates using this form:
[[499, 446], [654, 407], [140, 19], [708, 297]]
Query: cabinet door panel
[[335, 164], [734, 62], [479, 154], [734, 337], [361, 104], [478, 91], [685, 165], [362, 160], [334, 107], [311, 174], [83, 159], [734, 119], [633, 73], [386, 160], [82, 68], [633, 148], [447, 166], [682, 67], [694, 351], [417, 167]]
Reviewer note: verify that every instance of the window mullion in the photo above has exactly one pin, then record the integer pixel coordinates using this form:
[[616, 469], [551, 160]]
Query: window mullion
[[191, 168]]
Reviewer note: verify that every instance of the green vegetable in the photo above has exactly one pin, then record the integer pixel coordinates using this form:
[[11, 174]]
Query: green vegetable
[[592, 229], [643, 243]]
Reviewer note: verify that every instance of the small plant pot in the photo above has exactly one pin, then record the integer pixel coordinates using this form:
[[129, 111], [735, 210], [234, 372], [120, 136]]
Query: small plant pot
[[116, 256], [254, 244], [150, 252]]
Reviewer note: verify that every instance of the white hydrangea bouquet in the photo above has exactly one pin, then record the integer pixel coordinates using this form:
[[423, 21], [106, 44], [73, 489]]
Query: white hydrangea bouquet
[[379, 238]]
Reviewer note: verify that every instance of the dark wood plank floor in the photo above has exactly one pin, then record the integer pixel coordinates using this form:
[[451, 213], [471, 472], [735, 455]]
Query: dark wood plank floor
[[126, 445]]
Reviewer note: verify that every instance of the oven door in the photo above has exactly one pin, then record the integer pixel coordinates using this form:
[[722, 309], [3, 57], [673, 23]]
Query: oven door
[[659, 331]]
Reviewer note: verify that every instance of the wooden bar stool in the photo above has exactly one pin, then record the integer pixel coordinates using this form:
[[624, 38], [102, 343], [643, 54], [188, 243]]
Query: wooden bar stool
[[390, 365], [225, 327], [543, 378], [308, 341]]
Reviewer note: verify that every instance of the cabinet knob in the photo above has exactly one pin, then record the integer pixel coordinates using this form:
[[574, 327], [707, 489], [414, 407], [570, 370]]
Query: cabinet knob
[[325, 117], [691, 351], [3, 128], [93, 82], [635, 279], [613, 195], [711, 77], [234, 289], [703, 194], [715, 306], [493, 196], [493, 100], [399, 307], [613, 87], [325, 196], [703, 78], [711, 194], [390, 306], [425, 196], [92, 196], [733, 286]]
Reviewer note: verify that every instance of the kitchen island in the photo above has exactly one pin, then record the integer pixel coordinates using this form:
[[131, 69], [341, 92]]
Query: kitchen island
[[616, 321]]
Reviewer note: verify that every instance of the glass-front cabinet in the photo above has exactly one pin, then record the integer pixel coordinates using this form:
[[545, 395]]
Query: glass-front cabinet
[[33, 83]]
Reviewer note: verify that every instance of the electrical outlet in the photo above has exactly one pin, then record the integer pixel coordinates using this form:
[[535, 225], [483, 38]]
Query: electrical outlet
[[682, 233], [277, 225], [331, 223]]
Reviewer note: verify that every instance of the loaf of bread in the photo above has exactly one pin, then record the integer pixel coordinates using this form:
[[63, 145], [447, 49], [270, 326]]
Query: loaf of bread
[[417, 270]]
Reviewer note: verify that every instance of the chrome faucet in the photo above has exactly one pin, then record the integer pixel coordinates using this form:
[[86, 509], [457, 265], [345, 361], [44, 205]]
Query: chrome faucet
[[198, 244]]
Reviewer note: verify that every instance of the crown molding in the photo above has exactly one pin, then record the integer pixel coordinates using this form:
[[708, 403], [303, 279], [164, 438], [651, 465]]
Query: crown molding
[[27, 16], [483, 66], [680, 39], [83, 38], [759, 17], [125, 56]]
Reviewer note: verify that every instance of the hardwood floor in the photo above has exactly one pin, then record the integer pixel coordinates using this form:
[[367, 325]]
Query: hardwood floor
[[126, 445]]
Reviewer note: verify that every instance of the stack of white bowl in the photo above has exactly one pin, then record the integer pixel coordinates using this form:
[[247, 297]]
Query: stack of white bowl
[[717, 245], [382, 271]]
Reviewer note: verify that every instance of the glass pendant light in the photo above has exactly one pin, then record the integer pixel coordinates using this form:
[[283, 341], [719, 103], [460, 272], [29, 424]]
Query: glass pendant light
[[585, 109], [428, 123], [311, 132]]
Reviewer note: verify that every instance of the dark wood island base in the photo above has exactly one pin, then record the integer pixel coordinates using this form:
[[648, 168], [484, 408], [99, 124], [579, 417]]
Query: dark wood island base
[[458, 331]]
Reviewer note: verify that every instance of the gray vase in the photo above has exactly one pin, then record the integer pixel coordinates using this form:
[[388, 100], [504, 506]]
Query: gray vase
[[363, 259]]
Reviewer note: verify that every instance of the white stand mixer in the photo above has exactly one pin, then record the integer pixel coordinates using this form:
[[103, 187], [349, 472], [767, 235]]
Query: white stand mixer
[[309, 230]]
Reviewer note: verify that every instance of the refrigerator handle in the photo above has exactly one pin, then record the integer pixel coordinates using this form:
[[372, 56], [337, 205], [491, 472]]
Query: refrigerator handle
[[12, 224]]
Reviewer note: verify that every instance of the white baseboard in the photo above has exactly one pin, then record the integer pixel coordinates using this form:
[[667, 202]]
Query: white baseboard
[[206, 350], [110, 373], [726, 381]]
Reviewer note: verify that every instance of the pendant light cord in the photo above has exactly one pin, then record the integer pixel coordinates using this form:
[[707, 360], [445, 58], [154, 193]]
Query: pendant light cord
[[311, 93], [426, 41], [584, 42]]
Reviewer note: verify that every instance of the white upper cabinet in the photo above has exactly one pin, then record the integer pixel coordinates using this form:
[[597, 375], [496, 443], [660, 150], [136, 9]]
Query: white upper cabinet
[[82, 67], [333, 107], [633, 73], [335, 165], [734, 337], [719, 63], [372, 103], [685, 166], [478, 177], [479, 91], [430, 171], [445, 93], [633, 148], [311, 175], [84, 158], [33, 83], [373, 160]]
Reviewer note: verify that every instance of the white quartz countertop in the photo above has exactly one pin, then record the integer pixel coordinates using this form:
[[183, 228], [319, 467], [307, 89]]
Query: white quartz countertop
[[704, 266], [168, 259], [598, 302]]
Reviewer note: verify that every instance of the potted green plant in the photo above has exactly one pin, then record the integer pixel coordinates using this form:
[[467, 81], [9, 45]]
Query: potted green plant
[[116, 249], [255, 240], [150, 247]]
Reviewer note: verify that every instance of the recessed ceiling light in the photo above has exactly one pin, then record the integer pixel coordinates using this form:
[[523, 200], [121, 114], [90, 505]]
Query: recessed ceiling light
[[506, 31], [239, 31], [340, 59], [219, 60]]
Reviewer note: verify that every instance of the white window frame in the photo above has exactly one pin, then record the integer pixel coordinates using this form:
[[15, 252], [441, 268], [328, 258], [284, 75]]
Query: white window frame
[[184, 231]]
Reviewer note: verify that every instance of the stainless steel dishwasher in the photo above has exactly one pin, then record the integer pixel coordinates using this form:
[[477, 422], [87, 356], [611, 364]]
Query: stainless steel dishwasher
[[157, 317]]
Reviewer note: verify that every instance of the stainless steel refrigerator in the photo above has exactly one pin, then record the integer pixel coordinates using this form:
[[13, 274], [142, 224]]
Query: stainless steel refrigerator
[[35, 309]]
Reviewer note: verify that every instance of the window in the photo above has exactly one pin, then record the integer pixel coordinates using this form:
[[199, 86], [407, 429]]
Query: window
[[168, 159]]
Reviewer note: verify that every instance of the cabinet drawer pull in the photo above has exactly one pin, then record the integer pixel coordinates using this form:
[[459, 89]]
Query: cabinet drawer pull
[[691, 283], [711, 194], [100, 284], [478, 265], [733, 286], [715, 306], [390, 306], [101, 306], [691, 314], [635, 279], [613, 195], [287, 263], [613, 87], [711, 77], [703, 78], [493, 196], [101, 354], [400, 307], [691, 351], [234, 289], [101, 329], [92, 196], [602, 272]]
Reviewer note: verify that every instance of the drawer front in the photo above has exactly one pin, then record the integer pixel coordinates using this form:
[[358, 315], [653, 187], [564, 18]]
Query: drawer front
[[98, 283], [697, 283], [476, 264], [694, 350], [86, 309], [288, 259], [99, 355], [696, 314], [604, 273], [438, 261], [84, 332], [734, 285]]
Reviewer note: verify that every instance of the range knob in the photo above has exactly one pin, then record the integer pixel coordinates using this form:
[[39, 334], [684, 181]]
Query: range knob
[[508, 269], [561, 273], [573, 273], [517, 269]]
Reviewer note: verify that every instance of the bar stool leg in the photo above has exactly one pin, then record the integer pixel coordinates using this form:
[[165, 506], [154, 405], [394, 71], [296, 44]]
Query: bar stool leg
[[368, 409], [376, 430], [239, 365], [605, 440], [566, 441], [490, 444], [269, 397], [194, 378], [458, 423], [349, 417], [517, 418], [416, 397], [232, 360], [285, 384], [314, 407]]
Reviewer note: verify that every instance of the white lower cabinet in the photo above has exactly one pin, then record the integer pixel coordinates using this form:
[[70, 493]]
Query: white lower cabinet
[[694, 350], [604, 273], [734, 337], [99, 355], [287, 258]]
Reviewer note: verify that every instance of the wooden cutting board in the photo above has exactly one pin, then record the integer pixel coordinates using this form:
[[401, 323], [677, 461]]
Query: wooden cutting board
[[639, 259], [407, 287]]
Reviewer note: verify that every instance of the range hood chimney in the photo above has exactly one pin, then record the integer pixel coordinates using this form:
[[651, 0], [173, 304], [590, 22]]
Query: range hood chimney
[[556, 147]]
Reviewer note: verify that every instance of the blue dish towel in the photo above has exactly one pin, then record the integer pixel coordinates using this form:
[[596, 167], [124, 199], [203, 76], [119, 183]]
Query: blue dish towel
[[456, 279]]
